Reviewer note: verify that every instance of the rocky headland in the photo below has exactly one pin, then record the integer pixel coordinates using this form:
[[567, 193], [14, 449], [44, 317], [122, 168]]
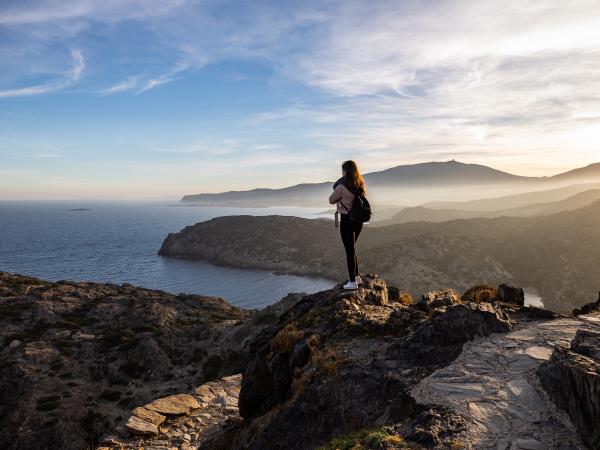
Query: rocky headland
[[555, 255], [91, 365]]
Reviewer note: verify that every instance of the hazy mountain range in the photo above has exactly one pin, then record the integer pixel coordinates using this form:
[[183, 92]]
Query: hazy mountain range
[[407, 185], [431, 214]]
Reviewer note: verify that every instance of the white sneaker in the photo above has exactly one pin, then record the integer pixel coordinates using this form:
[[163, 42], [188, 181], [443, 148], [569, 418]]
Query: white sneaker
[[351, 285], [358, 279]]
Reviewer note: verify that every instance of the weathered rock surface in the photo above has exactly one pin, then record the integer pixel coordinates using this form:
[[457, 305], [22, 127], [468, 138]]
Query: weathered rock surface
[[203, 426], [493, 385], [76, 357], [572, 379], [137, 425], [436, 300], [510, 294], [589, 308], [439, 340], [174, 404], [342, 361]]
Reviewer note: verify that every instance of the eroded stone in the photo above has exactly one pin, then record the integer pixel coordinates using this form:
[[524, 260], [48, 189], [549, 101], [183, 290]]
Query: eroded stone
[[175, 404]]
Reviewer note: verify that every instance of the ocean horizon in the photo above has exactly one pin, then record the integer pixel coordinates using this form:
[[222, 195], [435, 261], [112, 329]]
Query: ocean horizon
[[118, 241]]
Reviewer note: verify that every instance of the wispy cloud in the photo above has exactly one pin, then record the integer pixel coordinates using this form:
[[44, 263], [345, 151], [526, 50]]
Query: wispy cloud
[[44, 11], [128, 84], [511, 83], [72, 76]]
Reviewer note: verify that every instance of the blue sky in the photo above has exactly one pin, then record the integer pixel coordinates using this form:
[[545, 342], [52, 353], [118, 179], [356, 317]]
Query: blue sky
[[153, 98]]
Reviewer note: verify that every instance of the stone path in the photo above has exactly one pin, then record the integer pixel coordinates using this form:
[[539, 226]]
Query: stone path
[[493, 383], [183, 421]]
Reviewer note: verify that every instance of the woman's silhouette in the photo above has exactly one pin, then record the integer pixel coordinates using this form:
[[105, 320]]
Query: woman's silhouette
[[344, 191]]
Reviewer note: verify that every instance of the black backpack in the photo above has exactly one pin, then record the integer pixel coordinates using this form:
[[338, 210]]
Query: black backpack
[[361, 208]]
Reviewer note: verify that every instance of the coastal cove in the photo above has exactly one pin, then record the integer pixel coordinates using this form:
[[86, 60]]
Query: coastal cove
[[117, 242]]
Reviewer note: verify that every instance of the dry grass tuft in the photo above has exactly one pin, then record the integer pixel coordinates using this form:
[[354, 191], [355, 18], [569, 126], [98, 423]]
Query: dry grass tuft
[[326, 361], [480, 293], [286, 338], [406, 299]]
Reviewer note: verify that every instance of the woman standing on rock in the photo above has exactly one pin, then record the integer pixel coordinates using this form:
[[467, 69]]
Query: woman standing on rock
[[345, 191]]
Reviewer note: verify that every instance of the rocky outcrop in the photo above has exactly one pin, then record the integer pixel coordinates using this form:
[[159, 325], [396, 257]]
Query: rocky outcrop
[[341, 361], [115, 366], [510, 294], [76, 357], [592, 308], [437, 300], [572, 379], [439, 340]]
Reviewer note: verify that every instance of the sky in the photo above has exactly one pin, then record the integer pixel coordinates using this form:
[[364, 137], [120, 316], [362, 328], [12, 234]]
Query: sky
[[161, 98]]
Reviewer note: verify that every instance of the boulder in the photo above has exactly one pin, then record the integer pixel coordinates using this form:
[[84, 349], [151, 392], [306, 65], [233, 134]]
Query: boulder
[[586, 343], [572, 380], [438, 300], [510, 294], [440, 340], [373, 291]]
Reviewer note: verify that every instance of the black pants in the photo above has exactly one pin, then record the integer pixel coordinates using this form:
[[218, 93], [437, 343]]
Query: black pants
[[349, 231]]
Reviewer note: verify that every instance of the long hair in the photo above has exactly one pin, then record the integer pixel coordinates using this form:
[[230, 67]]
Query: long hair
[[354, 179]]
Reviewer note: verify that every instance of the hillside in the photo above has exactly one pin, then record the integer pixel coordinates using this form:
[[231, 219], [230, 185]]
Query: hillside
[[402, 184], [584, 174], [514, 201], [420, 213], [77, 356], [557, 255], [441, 173]]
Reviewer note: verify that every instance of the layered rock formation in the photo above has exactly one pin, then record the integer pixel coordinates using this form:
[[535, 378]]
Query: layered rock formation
[[572, 378]]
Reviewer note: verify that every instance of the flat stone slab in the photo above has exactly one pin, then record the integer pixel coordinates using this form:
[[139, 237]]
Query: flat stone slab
[[537, 352], [141, 427], [175, 404], [205, 393], [148, 415]]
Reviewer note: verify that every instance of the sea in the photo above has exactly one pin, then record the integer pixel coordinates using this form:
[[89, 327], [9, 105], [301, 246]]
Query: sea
[[117, 242]]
